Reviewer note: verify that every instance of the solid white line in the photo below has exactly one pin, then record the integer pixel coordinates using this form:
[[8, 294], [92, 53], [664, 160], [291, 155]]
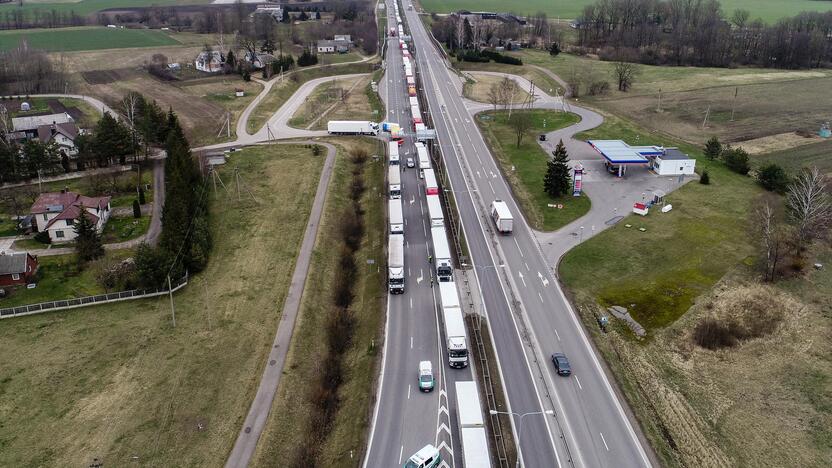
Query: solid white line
[[411, 342], [541, 297], [380, 393], [602, 440], [557, 334], [408, 391], [401, 452], [527, 266], [579, 382], [411, 306], [492, 187], [424, 227], [523, 280], [518, 247]]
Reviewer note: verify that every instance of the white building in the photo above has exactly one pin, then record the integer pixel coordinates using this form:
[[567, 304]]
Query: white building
[[673, 162], [209, 62], [57, 212]]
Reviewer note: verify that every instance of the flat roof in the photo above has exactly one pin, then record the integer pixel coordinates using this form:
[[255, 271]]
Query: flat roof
[[619, 152], [674, 154]]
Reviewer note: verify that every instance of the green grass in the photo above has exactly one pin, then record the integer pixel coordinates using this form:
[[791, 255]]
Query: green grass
[[288, 418], [658, 274], [85, 7], [525, 166], [84, 38], [124, 229], [8, 227], [138, 386], [795, 159], [29, 243], [768, 10]]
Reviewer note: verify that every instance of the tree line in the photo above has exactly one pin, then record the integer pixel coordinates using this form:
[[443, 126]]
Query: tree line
[[698, 33], [24, 70]]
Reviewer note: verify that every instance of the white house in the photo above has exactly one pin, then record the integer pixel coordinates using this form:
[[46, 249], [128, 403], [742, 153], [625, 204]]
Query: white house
[[58, 128], [340, 43], [275, 11], [326, 47], [63, 135], [57, 212], [673, 162], [210, 62]]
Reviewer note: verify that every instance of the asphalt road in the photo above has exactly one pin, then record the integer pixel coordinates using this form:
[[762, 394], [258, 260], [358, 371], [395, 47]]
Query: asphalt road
[[596, 430]]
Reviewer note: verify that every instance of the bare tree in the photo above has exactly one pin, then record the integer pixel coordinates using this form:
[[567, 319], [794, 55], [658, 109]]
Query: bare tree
[[460, 31], [494, 95], [521, 123], [625, 73], [770, 233], [809, 207], [508, 93], [130, 106], [740, 18]]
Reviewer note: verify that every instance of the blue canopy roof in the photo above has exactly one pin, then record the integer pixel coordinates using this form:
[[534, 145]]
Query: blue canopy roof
[[619, 152]]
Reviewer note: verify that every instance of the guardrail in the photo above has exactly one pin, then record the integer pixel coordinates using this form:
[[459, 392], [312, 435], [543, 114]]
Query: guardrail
[[77, 302]]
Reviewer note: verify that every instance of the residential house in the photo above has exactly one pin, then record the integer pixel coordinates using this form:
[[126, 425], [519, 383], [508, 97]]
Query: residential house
[[275, 11], [17, 268], [210, 62], [326, 46], [57, 212], [341, 43], [259, 60], [58, 128]]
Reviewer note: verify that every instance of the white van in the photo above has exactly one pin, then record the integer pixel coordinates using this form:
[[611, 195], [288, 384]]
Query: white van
[[427, 457]]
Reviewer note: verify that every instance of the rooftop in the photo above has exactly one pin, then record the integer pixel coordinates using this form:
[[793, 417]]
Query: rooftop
[[619, 152], [35, 121], [13, 263], [674, 153]]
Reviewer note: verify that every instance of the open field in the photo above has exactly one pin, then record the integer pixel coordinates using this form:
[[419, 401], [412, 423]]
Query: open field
[[793, 160], [85, 7], [542, 81], [331, 98], [280, 92], [697, 406], [137, 386], [221, 91], [289, 417], [85, 115], [84, 38], [478, 91], [525, 166], [768, 10]]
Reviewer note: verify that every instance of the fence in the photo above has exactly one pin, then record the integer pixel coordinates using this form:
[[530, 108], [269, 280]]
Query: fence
[[74, 303]]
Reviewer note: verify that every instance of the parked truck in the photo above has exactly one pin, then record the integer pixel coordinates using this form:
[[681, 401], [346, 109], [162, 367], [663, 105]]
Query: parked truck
[[396, 217], [395, 264], [471, 426], [352, 127], [502, 217], [442, 255], [394, 181], [456, 337], [424, 157], [437, 218], [393, 153]]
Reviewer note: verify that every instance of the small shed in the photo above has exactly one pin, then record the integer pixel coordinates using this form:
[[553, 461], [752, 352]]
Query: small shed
[[239, 92], [673, 162]]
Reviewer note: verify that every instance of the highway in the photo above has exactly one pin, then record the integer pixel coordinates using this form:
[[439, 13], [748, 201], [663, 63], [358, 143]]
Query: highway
[[404, 419], [523, 299]]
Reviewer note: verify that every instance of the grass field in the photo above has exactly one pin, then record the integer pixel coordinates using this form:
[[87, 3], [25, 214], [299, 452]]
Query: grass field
[[793, 160], [288, 418], [542, 81], [221, 92], [768, 10], [84, 38], [325, 103], [525, 166], [478, 91], [146, 392], [120, 229], [85, 7]]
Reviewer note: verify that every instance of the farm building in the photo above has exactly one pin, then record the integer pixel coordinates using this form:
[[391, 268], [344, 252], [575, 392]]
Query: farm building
[[275, 11], [56, 213], [17, 268], [673, 162]]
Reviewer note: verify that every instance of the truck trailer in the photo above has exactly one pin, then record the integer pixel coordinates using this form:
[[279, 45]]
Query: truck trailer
[[442, 255], [395, 263], [394, 182], [437, 218], [502, 217], [352, 127], [456, 337], [396, 217]]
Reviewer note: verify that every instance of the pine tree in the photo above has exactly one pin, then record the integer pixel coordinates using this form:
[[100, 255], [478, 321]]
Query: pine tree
[[112, 140], [558, 180], [87, 241], [713, 148]]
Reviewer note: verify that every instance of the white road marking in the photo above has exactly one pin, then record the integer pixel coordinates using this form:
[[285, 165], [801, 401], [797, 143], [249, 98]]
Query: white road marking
[[492, 187], [521, 278], [424, 228], [527, 266], [604, 441], [411, 306], [401, 452], [541, 297], [411, 342], [556, 334], [518, 247], [408, 391], [579, 382], [543, 279], [421, 276], [412, 199]]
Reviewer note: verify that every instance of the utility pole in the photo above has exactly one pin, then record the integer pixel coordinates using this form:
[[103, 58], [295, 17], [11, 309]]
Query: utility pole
[[172, 308], [734, 102], [707, 113], [659, 107]]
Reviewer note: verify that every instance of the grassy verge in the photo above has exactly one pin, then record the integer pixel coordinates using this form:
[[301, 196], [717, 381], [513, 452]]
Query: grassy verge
[[793, 160], [478, 91], [8, 227], [29, 243], [280, 92], [222, 92], [120, 229], [146, 391], [291, 410], [333, 100], [542, 81], [525, 166]]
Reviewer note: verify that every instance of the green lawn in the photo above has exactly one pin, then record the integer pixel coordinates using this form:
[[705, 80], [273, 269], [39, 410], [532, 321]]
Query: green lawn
[[58, 278], [139, 387], [85, 7], [768, 10], [84, 38], [124, 229], [525, 166], [8, 227], [29, 243], [793, 160], [679, 256]]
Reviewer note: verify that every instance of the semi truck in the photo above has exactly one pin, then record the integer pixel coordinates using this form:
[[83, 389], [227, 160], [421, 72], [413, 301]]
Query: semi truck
[[455, 336], [437, 218], [395, 264], [396, 217], [442, 255], [424, 158], [414, 101], [393, 152], [471, 426], [394, 181], [502, 217], [352, 127], [431, 187]]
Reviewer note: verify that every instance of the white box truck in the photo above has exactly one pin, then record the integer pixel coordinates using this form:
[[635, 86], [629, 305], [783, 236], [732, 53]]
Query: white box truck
[[456, 337], [502, 217], [437, 218], [352, 127], [394, 181], [396, 217], [472, 425], [395, 264], [424, 157], [442, 255], [414, 101]]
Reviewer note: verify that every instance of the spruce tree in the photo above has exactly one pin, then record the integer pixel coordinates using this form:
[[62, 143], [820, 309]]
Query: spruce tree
[[558, 180], [713, 148], [87, 241]]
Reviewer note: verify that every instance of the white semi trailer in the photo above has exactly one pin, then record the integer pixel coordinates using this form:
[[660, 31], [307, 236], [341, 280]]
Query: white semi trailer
[[442, 255], [456, 338], [394, 181], [472, 426], [395, 264], [352, 127], [396, 217]]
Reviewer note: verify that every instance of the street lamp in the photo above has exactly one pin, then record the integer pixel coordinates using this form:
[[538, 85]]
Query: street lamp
[[520, 424]]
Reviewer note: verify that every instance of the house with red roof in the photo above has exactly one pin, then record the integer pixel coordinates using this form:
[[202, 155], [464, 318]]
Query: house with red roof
[[57, 213], [17, 268]]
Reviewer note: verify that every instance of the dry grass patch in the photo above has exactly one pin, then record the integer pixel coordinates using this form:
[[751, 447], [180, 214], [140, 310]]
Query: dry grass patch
[[779, 142], [331, 100], [478, 91]]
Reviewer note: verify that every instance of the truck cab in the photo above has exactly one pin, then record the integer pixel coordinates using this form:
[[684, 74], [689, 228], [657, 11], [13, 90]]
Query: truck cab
[[426, 380]]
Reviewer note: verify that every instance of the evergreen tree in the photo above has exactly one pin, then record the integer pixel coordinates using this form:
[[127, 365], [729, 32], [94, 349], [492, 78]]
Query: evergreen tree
[[142, 199], [230, 60], [554, 49], [40, 157], [737, 160], [151, 266], [773, 178], [317, 15], [286, 18], [705, 179], [303, 16], [558, 181], [137, 209], [87, 241], [713, 148], [307, 58], [112, 140]]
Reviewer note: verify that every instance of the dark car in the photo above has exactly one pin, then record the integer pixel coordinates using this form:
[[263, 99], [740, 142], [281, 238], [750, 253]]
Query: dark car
[[542, 137], [410, 162], [561, 364]]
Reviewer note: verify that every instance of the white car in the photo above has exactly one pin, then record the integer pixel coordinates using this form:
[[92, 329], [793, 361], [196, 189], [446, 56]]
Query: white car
[[411, 163]]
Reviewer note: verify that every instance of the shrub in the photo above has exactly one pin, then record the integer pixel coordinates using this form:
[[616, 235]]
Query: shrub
[[43, 237], [307, 58], [773, 178], [598, 88], [713, 334], [137, 209], [737, 160], [705, 179]]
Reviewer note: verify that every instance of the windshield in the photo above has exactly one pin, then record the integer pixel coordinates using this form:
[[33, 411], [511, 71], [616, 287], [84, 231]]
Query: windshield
[[426, 379], [458, 354], [410, 464], [397, 281]]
